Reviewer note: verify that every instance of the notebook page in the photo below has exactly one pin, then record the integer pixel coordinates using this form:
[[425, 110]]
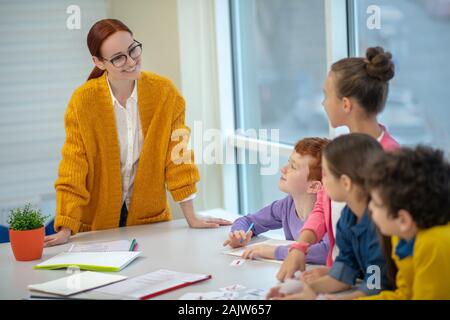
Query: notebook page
[[76, 283], [104, 246], [100, 259]]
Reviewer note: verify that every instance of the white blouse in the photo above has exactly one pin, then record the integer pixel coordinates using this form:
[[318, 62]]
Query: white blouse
[[131, 141]]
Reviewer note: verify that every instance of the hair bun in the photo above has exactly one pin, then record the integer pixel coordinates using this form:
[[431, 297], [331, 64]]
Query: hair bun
[[379, 64]]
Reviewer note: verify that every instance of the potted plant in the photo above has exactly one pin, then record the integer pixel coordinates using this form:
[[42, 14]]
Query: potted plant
[[26, 233]]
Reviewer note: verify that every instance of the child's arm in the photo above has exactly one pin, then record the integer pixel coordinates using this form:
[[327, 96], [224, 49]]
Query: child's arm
[[328, 284], [317, 253], [268, 218], [312, 232], [325, 284], [431, 269], [346, 267], [314, 228]]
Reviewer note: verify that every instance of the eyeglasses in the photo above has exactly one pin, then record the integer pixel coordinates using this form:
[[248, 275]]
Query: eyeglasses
[[134, 52]]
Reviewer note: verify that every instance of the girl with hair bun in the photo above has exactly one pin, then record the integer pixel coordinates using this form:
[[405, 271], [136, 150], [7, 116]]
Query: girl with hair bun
[[356, 91]]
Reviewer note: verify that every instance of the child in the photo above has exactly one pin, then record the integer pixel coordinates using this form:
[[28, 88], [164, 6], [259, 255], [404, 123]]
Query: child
[[355, 93], [301, 179], [410, 192], [344, 164]]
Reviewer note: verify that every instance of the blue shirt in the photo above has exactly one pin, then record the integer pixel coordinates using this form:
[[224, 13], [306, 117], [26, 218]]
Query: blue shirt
[[360, 254]]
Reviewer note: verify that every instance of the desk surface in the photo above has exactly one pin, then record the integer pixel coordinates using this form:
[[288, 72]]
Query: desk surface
[[168, 245]]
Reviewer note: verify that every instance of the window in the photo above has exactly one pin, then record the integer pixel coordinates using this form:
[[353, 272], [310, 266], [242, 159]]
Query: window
[[42, 63], [280, 64], [282, 51], [418, 35]]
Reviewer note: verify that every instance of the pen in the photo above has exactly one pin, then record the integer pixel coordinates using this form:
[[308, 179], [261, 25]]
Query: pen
[[248, 230]]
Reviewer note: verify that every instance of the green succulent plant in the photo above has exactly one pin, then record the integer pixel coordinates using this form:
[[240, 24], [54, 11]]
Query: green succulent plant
[[26, 218]]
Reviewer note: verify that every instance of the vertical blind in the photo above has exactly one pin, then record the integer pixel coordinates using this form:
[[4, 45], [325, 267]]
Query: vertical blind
[[42, 61]]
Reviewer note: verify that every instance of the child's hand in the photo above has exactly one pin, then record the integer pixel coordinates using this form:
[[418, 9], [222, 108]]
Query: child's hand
[[260, 251], [274, 293], [295, 261], [306, 294], [314, 274], [234, 239]]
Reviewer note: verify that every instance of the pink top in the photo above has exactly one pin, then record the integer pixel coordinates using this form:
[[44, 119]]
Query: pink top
[[319, 221]]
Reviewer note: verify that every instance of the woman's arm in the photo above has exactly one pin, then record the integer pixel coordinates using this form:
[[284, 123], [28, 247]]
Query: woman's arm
[[187, 207], [71, 191]]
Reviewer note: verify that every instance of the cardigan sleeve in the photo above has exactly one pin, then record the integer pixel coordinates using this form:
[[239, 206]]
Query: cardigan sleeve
[[181, 172], [71, 191]]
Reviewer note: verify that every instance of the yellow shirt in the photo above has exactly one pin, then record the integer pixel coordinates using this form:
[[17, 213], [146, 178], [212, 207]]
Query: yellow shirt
[[426, 274], [89, 186]]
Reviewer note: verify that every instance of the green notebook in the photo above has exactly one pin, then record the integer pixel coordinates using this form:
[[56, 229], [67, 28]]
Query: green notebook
[[93, 261]]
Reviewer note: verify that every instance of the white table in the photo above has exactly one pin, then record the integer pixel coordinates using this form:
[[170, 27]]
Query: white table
[[168, 245]]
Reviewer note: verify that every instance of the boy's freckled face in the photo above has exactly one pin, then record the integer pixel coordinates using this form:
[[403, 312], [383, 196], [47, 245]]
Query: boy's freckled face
[[379, 213], [294, 175]]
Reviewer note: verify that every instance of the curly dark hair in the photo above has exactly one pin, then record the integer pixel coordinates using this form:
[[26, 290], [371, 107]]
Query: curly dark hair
[[416, 180]]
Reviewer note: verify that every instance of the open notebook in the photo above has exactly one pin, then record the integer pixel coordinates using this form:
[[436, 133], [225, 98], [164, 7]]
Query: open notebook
[[272, 242], [104, 246], [94, 261]]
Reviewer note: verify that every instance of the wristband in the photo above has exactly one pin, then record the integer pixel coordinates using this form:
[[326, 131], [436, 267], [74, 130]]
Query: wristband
[[300, 246]]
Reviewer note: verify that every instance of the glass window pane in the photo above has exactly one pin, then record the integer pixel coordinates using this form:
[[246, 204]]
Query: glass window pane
[[258, 190], [280, 66], [418, 35]]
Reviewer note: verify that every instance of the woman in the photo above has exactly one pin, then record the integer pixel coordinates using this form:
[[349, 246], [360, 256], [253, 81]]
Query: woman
[[122, 148]]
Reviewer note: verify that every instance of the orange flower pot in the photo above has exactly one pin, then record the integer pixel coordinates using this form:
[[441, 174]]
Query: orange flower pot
[[27, 245]]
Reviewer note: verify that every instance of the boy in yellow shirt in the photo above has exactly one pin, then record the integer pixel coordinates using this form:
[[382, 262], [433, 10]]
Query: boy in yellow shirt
[[410, 191]]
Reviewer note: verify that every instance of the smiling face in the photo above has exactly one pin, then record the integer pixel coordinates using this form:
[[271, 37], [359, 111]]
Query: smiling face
[[334, 106], [294, 175], [117, 44]]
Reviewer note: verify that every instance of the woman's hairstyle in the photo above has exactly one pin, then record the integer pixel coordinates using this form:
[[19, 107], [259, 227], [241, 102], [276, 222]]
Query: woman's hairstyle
[[416, 180], [350, 154], [365, 79], [313, 147], [98, 33]]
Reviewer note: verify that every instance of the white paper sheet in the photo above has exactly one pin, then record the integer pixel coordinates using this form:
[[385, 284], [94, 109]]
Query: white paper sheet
[[76, 283], [272, 242], [103, 246]]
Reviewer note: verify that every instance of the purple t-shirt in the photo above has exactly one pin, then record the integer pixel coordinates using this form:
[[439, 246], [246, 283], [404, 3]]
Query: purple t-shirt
[[282, 214]]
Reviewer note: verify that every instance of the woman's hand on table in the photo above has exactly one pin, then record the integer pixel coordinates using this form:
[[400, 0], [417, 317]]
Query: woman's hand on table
[[61, 237]]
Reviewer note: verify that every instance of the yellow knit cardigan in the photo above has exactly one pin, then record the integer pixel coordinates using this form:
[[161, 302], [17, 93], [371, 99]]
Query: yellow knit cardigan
[[89, 186]]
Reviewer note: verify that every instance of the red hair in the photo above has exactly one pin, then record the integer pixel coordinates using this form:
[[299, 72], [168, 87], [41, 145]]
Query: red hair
[[99, 32], [313, 147]]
